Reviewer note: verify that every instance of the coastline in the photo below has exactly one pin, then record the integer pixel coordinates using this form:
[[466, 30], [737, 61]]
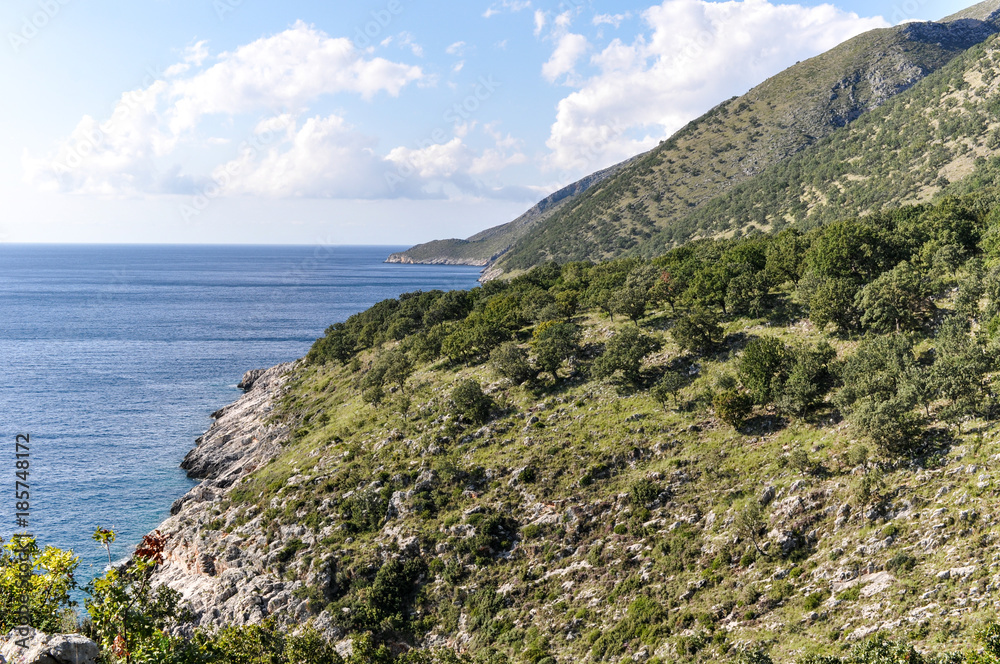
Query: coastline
[[223, 576]]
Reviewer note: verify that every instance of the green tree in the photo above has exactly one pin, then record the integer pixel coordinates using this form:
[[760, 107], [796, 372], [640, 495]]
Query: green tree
[[624, 354], [667, 388], [763, 368], [876, 397], [698, 332], [470, 401], [959, 373], [809, 380], [553, 343], [127, 613], [510, 361], [898, 300], [46, 574], [732, 407]]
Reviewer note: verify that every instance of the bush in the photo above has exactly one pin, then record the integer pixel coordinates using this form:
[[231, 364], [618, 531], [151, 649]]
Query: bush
[[553, 343], [471, 403], [642, 492], [732, 407], [510, 361], [667, 387], [763, 368], [624, 354], [698, 332]]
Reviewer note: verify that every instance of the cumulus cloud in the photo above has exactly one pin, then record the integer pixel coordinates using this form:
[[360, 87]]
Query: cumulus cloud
[[289, 69], [692, 54], [131, 152], [291, 153], [569, 49]]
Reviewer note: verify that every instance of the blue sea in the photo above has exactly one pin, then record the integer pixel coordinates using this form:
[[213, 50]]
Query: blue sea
[[113, 358]]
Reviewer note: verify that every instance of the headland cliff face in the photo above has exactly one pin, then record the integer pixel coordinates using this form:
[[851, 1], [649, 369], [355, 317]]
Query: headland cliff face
[[223, 576]]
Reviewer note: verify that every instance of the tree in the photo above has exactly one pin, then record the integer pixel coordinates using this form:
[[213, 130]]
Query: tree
[[808, 381], [471, 402], [667, 387], [876, 397], [698, 332], [47, 575], [830, 300], [732, 407], [960, 370], [553, 343], [763, 368], [785, 255], [898, 300], [510, 361], [750, 522], [125, 609], [624, 354]]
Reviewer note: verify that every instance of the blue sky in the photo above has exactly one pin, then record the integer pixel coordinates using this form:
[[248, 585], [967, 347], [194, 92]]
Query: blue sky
[[375, 122]]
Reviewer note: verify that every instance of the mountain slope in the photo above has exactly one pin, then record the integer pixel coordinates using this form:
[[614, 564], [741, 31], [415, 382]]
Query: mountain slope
[[921, 144], [984, 11], [740, 139], [488, 245]]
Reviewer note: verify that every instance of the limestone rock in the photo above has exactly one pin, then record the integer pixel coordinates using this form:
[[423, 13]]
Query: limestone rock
[[49, 648]]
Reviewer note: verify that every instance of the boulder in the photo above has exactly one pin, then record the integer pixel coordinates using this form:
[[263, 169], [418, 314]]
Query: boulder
[[48, 648]]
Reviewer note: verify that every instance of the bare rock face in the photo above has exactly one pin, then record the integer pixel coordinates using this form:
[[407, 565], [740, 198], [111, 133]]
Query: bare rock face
[[240, 439], [224, 569], [48, 648]]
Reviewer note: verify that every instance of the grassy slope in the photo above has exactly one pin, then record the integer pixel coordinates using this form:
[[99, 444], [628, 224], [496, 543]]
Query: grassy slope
[[486, 246], [909, 150], [645, 205], [586, 551]]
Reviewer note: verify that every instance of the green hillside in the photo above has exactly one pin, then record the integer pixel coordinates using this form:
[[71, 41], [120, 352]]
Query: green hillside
[[486, 246], [650, 203], [775, 448]]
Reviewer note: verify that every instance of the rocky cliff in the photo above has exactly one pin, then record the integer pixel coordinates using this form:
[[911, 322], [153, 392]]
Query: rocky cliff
[[224, 576]]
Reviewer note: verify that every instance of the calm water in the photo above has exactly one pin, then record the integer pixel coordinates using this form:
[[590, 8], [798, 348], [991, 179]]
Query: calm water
[[113, 357]]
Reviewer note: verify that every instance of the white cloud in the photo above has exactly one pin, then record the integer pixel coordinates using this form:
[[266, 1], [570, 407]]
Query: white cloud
[[405, 40], [569, 49], [130, 154], [506, 5], [289, 69], [541, 19], [611, 19], [322, 158], [693, 54], [457, 49]]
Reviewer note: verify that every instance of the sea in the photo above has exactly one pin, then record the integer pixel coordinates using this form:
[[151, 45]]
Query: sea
[[112, 359]]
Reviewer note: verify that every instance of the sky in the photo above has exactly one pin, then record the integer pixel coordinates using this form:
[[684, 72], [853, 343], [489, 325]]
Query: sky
[[384, 122]]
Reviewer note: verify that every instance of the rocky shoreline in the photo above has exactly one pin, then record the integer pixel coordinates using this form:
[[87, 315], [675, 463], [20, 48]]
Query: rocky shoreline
[[224, 577]]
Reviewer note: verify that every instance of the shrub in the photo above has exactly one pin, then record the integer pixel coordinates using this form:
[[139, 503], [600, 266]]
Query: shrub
[[642, 492], [624, 354], [732, 407], [470, 402], [667, 387], [510, 361], [698, 332], [553, 343]]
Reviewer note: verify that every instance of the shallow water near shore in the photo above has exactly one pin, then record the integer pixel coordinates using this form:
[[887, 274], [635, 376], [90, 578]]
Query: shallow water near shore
[[114, 357]]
